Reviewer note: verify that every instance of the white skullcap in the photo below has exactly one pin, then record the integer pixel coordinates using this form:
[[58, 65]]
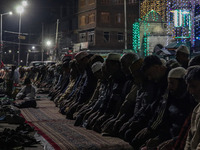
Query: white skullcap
[[80, 55], [177, 72], [183, 49], [96, 66], [113, 56], [163, 61]]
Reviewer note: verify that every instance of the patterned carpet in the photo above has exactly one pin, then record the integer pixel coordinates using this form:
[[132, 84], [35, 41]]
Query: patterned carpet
[[61, 132]]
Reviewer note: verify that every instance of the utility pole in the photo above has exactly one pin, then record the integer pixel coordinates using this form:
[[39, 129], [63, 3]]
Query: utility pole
[[1, 40], [19, 38], [56, 41], [42, 41], [27, 57], [125, 26]]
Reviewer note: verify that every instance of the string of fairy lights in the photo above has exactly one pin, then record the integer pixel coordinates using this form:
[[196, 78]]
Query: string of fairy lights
[[197, 25], [182, 17], [157, 5], [136, 37]]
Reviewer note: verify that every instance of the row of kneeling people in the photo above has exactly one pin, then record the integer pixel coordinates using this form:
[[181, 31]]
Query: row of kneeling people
[[147, 102]]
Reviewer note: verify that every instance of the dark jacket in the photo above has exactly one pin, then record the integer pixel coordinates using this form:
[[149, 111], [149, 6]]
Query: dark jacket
[[170, 115], [88, 87], [119, 90]]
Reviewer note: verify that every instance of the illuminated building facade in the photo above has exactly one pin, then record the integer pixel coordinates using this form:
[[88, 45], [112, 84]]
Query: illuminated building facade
[[179, 20]]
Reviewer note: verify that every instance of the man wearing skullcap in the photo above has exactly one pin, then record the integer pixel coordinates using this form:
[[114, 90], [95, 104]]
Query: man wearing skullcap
[[130, 90], [193, 83], [63, 82], [97, 66], [117, 81], [170, 115], [144, 98], [113, 56], [182, 55], [97, 71], [155, 74], [73, 76], [87, 86], [82, 60]]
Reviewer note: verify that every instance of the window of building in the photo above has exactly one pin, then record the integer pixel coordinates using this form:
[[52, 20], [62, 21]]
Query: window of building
[[132, 1], [106, 36], [86, 19], [118, 2], [82, 37], [105, 17], [91, 37], [120, 37], [82, 3], [119, 18], [181, 18], [92, 18], [91, 2], [105, 2], [82, 21]]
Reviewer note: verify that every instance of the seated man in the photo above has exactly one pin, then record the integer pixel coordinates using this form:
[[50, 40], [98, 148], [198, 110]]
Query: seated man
[[170, 115], [193, 86], [26, 97]]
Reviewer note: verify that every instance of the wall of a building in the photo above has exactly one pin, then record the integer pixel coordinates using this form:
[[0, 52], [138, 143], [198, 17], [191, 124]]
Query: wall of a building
[[157, 40], [112, 26]]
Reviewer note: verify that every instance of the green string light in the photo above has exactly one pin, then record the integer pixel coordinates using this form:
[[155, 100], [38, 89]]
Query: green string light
[[136, 37]]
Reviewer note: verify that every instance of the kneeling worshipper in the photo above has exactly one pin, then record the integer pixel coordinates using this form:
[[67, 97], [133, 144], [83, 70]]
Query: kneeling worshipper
[[26, 97]]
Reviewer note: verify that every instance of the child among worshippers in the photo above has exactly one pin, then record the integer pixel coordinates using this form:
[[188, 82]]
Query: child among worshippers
[[26, 97]]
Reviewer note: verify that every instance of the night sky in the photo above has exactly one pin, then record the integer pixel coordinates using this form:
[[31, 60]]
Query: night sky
[[36, 13]]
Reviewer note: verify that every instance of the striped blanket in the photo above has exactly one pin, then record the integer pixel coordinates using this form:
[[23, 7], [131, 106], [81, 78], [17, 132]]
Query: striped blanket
[[62, 134]]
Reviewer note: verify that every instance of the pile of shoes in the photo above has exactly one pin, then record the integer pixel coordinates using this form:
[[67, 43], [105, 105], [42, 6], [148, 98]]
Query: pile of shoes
[[25, 128], [10, 114], [10, 109], [5, 100], [18, 138], [14, 119]]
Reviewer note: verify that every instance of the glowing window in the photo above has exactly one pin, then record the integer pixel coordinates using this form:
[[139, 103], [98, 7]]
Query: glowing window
[[181, 18]]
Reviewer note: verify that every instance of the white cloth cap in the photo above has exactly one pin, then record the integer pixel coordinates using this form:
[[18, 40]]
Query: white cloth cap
[[163, 61], [177, 72], [113, 56], [183, 49], [80, 55], [96, 66]]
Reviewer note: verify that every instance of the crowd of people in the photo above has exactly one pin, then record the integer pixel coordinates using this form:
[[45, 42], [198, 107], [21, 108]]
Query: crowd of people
[[150, 102]]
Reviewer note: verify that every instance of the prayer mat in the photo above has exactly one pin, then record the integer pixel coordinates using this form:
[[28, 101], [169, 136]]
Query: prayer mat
[[68, 137], [62, 134], [42, 114], [45, 103]]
